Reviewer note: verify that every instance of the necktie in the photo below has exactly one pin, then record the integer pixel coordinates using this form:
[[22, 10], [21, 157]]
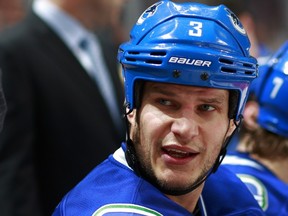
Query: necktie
[[96, 68]]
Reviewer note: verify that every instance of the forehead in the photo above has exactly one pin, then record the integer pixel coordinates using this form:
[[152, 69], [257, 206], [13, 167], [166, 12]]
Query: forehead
[[174, 89]]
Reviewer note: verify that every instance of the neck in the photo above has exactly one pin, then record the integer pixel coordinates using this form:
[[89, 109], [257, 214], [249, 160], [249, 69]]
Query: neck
[[278, 167], [188, 201], [80, 10]]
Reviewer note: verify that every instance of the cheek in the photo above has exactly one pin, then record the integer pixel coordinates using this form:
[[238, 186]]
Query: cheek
[[152, 128], [213, 144], [214, 133], [150, 124]]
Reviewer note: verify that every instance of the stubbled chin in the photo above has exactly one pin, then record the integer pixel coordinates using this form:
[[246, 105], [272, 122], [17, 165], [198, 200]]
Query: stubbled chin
[[173, 177]]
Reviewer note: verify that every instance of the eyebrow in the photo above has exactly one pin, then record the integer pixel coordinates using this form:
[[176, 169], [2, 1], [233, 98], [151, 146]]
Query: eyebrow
[[213, 100], [216, 99]]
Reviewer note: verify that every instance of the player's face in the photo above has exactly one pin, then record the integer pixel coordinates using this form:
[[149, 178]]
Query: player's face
[[179, 131]]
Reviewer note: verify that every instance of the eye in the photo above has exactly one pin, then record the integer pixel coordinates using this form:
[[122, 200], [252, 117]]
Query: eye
[[206, 107], [165, 102]]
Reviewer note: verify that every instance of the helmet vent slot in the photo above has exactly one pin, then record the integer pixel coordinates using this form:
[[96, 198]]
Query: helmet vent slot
[[131, 59], [154, 57], [225, 61], [228, 70], [150, 61], [158, 53], [248, 65], [134, 53], [249, 68]]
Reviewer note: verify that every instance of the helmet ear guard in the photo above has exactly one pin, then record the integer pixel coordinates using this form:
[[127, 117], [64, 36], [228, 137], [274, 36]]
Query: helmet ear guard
[[188, 44]]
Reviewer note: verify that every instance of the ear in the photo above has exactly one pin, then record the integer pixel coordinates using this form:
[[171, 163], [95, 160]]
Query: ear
[[232, 127], [251, 111], [131, 117]]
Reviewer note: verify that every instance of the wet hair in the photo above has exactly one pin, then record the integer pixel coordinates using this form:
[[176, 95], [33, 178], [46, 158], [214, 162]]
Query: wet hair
[[264, 143]]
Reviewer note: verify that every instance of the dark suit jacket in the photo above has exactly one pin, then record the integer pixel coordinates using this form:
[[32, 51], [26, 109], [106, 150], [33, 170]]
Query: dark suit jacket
[[57, 127]]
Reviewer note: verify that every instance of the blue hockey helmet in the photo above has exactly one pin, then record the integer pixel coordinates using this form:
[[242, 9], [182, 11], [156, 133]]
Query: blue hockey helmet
[[188, 44], [271, 93]]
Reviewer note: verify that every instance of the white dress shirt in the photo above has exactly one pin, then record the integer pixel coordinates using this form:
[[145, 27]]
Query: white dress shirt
[[72, 32]]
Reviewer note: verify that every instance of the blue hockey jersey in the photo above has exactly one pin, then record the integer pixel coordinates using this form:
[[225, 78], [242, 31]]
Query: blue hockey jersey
[[113, 188], [270, 192]]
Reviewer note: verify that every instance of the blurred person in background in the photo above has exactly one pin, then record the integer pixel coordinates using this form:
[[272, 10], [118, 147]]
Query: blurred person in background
[[261, 159], [260, 30], [59, 123], [12, 11]]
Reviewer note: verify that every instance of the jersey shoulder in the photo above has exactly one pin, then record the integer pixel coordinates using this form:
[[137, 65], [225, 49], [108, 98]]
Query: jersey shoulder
[[114, 188], [270, 192], [226, 194]]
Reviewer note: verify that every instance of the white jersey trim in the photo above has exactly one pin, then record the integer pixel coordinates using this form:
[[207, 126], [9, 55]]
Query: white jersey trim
[[125, 208], [235, 160], [119, 156]]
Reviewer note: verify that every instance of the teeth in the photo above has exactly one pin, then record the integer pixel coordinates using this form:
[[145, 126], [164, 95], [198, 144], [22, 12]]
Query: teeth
[[177, 153]]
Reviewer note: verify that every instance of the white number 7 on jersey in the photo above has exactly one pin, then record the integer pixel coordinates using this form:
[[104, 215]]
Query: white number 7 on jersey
[[277, 81]]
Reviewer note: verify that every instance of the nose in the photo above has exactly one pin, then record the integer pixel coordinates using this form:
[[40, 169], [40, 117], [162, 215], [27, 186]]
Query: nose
[[185, 128]]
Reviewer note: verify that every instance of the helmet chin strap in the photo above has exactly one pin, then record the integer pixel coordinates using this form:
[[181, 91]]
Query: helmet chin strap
[[134, 163], [130, 153], [226, 143]]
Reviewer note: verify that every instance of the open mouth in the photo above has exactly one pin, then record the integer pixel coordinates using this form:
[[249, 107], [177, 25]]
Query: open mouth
[[176, 153]]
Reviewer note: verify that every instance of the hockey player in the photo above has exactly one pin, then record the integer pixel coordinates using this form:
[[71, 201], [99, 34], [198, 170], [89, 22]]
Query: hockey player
[[187, 71], [261, 161]]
